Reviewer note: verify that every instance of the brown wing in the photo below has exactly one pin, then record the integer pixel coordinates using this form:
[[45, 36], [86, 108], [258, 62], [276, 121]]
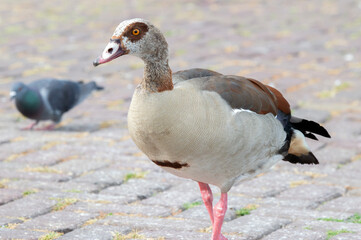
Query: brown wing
[[282, 103], [243, 93], [238, 92]]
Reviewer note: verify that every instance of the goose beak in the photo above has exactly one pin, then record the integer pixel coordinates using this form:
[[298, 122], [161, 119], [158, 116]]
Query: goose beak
[[112, 51], [12, 95]]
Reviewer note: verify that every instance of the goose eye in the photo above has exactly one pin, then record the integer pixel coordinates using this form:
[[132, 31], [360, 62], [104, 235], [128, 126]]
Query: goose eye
[[136, 32]]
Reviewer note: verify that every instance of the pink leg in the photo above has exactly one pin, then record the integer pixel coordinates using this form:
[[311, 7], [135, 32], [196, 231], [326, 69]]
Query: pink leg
[[48, 127], [219, 212], [207, 197], [30, 127]]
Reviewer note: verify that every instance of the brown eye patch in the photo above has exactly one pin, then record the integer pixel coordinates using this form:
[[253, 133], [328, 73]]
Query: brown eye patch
[[135, 31]]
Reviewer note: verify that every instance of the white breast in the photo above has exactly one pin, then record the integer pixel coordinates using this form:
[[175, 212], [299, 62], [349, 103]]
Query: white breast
[[199, 129]]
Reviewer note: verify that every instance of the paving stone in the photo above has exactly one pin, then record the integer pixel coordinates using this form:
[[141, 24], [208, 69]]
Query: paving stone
[[296, 233], [104, 177], [58, 221], [95, 232], [181, 235], [7, 195], [70, 186], [72, 168], [346, 236], [175, 197], [36, 204], [325, 226], [335, 154], [315, 193], [253, 227], [155, 224], [129, 209], [296, 213], [270, 184], [9, 234], [343, 204], [136, 189]]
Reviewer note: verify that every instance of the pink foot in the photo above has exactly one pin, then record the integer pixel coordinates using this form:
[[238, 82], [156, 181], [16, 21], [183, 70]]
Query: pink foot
[[207, 197], [49, 127], [219, 212], [30, 127]]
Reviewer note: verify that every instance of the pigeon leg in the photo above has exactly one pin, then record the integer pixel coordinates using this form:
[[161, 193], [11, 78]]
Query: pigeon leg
[[219, 212], [31, 126], [48, 127], [207, 197]]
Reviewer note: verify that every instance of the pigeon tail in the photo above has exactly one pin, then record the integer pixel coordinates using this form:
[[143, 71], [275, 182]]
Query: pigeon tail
[[86, 89]]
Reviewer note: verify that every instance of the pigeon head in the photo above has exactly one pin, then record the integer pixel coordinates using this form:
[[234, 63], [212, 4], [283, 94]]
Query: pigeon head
[[17, 89], [135, 37]]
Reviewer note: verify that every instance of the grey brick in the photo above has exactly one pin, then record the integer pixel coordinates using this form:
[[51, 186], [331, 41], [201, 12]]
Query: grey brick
[[179, 235], [10, 234], [254, 227], [127, 209], [270, 184], [103, 177], [317, 194], [343, 204], [294, 214], [95, 232], [36, 204], [295, 233], [7, 195], [72, 168], [59, 221], [136, 189], [186, 192], [155, 224]]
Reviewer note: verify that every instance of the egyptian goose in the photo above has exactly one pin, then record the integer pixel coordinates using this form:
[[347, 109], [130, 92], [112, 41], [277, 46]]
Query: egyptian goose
[[199, 124], [49, 99]]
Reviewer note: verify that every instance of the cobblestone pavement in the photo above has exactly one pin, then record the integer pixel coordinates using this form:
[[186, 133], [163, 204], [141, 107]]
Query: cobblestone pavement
[[87, 180]]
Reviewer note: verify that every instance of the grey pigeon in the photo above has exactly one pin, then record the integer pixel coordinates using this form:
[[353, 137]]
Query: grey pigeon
[[49, 99]]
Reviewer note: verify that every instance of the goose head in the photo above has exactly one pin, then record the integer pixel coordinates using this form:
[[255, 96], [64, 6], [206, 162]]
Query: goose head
[[136, 37]]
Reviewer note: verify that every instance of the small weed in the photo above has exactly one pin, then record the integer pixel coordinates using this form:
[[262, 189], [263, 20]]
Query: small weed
[[356, 218], [339, 86], [132, 235], [246, 210], [62, 203], [3, 182], [134, 175], [187, 206], [330, 219], [308, 228], [41, 170], [332, 233], [73, 191], [11, 225], [94, 220], [31, 191], [51, 236]]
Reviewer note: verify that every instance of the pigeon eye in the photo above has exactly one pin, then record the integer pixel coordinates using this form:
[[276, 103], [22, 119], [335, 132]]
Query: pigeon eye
[[136, 32]]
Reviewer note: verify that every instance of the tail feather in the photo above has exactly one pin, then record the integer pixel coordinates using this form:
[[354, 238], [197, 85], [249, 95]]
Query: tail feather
[[309, 128], [86, 89], [298, 151]]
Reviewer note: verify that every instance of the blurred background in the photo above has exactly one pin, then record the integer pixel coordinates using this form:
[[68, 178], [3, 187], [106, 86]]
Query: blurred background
[[309, 50]]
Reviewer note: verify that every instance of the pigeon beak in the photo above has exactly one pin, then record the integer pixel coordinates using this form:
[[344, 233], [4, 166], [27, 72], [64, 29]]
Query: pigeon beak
[[12, 95], [112, 51]]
